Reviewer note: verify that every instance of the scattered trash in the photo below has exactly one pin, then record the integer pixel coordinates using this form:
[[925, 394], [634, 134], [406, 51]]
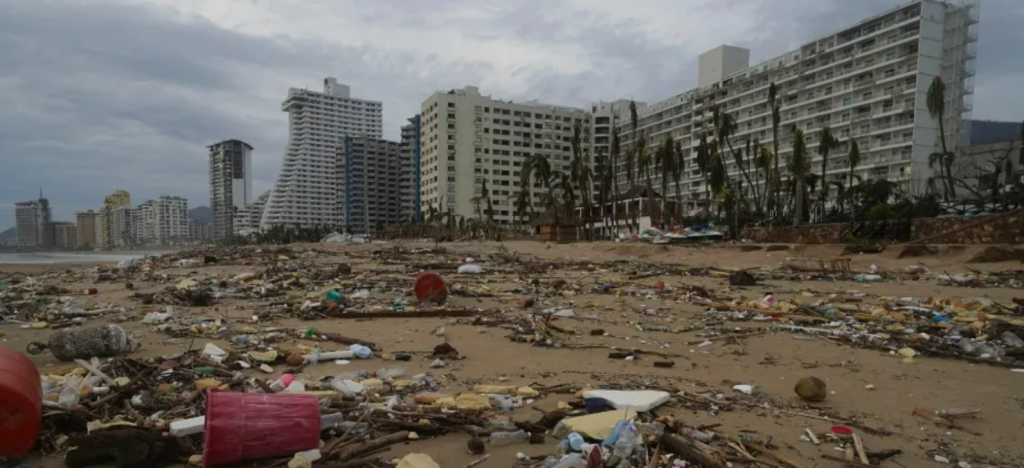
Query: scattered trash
[[264, 332]]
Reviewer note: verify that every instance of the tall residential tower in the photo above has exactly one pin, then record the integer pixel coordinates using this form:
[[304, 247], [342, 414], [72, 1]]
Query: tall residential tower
[[409, 181], [371, 169], [307, 191], [230, 184], [34, 228]]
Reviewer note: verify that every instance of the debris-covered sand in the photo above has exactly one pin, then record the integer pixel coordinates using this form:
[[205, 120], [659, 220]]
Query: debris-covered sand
[[560, 318]]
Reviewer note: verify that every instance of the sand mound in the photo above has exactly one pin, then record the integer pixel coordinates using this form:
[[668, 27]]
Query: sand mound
[[997, 254], [776, 248], [918, 250], [750, 248]]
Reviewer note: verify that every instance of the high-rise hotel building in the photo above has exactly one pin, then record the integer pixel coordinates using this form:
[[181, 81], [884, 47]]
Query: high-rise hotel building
[[307, 191]]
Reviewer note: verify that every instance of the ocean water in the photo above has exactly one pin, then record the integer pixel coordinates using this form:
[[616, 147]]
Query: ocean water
[[66, 257]]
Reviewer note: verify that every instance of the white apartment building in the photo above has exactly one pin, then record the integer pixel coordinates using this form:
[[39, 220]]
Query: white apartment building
[[32, 222], [121, 226], [171, 219], [163, 221], [467, 138], [306, 192], [868, 81], [247, 219], [144, 223], [230, 184]]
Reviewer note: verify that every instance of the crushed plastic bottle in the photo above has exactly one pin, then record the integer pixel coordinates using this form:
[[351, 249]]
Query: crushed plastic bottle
[[655, 429], [503, 403], [155, 318], [390, 373], [347, 387], [69, 396], [1012, 340], [571, 461], [502, 424], [626, 443], [506, 438], [614, 435], [360, 351]]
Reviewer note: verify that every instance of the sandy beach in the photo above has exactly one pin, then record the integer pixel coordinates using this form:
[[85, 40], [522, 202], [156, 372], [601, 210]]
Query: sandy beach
[[875, 388]]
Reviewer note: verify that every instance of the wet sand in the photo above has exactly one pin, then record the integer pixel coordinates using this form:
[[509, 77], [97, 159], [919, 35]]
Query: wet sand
[[772, 361]]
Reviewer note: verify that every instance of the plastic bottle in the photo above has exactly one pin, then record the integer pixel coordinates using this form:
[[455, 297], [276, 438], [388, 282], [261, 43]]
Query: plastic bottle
[[571, 461], [502, 424], [626, 442], [616, 432], [869, 278], [576, 441], [506, 438], [1012, 340]]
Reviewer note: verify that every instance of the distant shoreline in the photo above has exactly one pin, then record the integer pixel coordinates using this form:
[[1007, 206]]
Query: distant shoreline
[[68, 258]]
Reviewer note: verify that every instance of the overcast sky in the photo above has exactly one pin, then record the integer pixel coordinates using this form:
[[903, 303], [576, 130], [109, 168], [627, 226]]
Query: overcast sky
[[97, 95]]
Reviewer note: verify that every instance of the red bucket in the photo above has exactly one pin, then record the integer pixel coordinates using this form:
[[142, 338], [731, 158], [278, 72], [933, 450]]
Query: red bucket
[[249, 426], [21, 404], [430, 287]]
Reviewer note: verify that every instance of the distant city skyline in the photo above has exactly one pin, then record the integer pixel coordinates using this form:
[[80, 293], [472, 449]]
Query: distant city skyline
[[193, 79]]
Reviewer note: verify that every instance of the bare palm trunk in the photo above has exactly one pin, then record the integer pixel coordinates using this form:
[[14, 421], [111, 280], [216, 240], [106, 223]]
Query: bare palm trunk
[[798, 204]]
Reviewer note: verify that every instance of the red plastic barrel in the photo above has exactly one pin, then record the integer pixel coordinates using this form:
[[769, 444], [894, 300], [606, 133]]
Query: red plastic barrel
[[21, 404], [248, 426], [430, 287]]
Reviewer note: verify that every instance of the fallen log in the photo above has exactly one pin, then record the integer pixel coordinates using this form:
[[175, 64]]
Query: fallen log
[[757, 448], [372, 445], [345, 340], [688, 450]]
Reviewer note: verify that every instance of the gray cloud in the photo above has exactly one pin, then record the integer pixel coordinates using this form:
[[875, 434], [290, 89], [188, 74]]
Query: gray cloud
[[113, 94]]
